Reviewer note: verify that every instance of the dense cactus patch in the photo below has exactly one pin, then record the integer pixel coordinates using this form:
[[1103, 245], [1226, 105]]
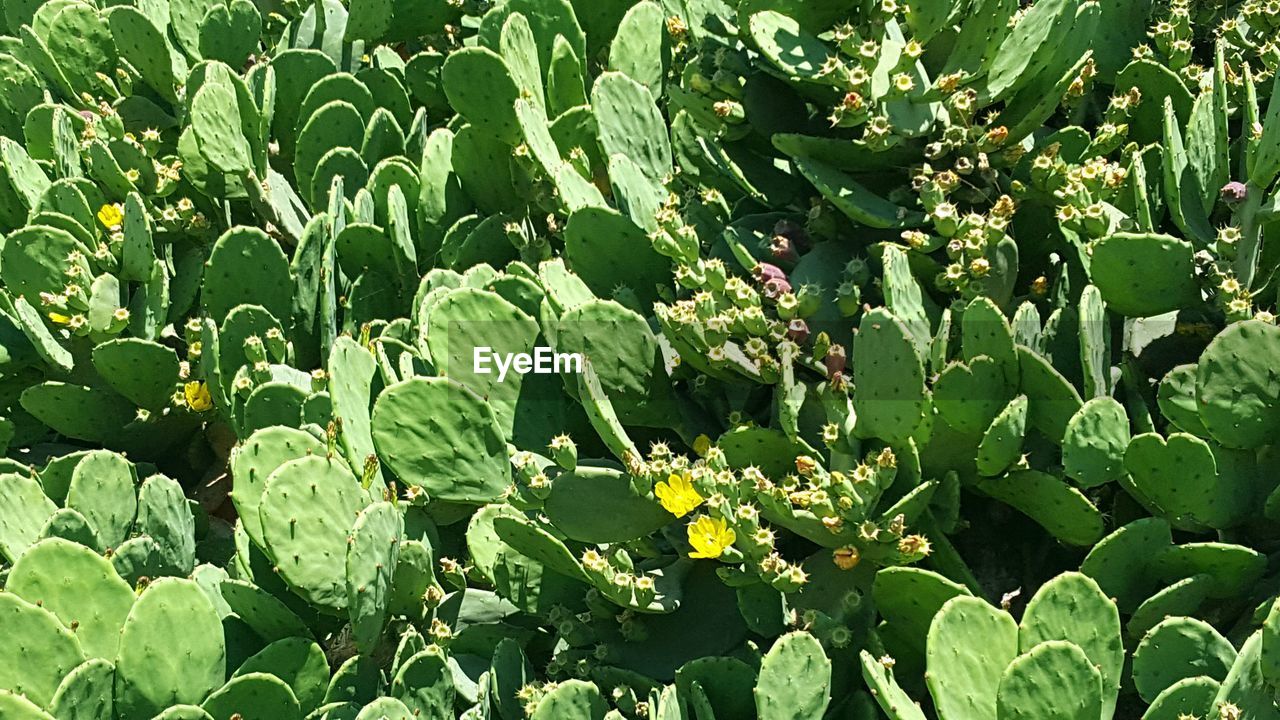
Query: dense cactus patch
[[663, 360]]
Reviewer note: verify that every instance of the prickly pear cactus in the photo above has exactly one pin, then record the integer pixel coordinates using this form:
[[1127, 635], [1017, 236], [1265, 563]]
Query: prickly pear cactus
[[639, 359]]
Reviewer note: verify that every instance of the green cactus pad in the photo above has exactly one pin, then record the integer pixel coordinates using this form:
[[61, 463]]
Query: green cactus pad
[[269, 617], [351, 370], [1183, 597], [246, 267], [1119, 562], [70, 525], [480, 85], [272, 404], [1057, 664], [1072, 608], [641, 268], [1245, 687], [86, 693], [1180, 477], [1187, 697], [727, 682], [356, 680], [298, 72], [1269, 654], [1177, 401], [536, 543], [336, 124], [909, 598], [144, 372], [969, 645], [630, 124], [336, 86], [1030, 47], [255, 460], [508, 672], [19, 707], [424, 684], [639, 49], [79, 587], [81, 411], [80, 39], [165, 515], [970, 396], [24, 510], [253, 696], [103, 489], [140, 559], [1235, 386], [1233, 567], [372, 555], [1059, 508], [307, 511], [1176, 649], [297, 661], [573, 494], [465, 319], [35, 260], [385, 708], [788, 47], [624, 353], [904, 298], [565, 86], [893, 700], [427, 449], [889, 377], [547, 19], [1144, 275], [1095, 344], [1094, 445], [572, 700], [383, 139], [339, 162], [854, 199], [1052, 399], [216, 123], [171, 650], [1001, 445], [143, 45], [40, 651], [519, 51]]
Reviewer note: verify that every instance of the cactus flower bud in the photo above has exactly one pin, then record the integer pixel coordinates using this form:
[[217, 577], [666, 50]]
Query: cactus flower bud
[[765, 272], [564, 452], [1234, 192], [775, 288], [835, 361], [797, 330], [783, 249]]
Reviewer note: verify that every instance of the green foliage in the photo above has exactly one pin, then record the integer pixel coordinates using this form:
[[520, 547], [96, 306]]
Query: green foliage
[[908, 359]]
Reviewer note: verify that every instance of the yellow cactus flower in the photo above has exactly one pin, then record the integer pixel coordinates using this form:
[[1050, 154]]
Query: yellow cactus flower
[[677, 494], [110, 215], [846, 558], [197, 394], [701, 445], [59, 318], [709, 537]]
